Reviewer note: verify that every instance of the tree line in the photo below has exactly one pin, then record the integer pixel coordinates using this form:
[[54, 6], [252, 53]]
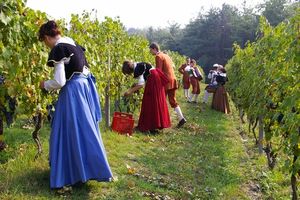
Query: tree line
[[209, 37]]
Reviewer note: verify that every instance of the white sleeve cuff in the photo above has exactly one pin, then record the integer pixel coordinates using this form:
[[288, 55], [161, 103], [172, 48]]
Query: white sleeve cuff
[[59, 78]]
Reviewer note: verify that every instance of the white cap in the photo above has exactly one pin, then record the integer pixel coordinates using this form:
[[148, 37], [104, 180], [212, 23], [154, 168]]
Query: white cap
[[216, 65]]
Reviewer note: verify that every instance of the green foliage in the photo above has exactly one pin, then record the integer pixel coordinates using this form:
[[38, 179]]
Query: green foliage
[[275, 11], [23, 57], [264, 81]]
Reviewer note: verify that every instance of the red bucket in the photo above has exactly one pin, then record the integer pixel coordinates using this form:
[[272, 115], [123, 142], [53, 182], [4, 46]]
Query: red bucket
[[122, 123]]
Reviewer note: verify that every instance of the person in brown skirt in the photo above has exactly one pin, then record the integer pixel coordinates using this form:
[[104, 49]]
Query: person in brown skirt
[[220, 98], [195, 78], [184, 70]]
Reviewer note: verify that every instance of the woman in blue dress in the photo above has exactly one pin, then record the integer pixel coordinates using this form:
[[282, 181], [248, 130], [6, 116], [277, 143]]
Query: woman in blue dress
[[77, 153]]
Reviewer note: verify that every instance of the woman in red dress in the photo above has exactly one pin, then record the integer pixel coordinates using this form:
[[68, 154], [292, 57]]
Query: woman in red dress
[[154, 111]]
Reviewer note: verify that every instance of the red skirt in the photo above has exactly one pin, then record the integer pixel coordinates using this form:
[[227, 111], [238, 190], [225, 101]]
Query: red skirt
[[154, 111], [220, 100]]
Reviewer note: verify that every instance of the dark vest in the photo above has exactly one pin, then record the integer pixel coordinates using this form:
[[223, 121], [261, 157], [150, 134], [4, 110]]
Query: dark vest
[[142, 68]]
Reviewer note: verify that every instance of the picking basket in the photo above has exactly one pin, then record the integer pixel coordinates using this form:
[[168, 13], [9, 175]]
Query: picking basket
[[122, 123]]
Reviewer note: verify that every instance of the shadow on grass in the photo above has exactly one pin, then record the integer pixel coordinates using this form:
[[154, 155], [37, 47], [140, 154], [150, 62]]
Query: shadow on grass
[[24, 178], [34, 183]]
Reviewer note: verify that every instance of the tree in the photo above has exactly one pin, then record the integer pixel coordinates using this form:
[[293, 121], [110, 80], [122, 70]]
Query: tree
[[275, 11], [209, 37]]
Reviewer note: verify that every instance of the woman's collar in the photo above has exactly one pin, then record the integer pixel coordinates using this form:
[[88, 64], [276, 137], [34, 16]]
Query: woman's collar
[[65, 40]]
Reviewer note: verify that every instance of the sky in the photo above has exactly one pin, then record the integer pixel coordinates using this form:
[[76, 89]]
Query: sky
[[135, 13]]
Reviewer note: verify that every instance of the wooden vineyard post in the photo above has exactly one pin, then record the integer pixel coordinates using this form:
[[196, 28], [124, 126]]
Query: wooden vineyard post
[[2, 144], [261, 134], [107, 91]]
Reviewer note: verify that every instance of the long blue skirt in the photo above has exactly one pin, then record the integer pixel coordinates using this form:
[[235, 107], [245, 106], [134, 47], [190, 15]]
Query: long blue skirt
[[77, 152]]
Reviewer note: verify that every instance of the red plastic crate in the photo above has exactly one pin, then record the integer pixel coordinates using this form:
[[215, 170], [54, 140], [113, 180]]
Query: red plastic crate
[[122, 123]]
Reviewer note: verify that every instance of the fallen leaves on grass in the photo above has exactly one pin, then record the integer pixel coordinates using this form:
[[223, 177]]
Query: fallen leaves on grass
[[130, 170], [159, 181], [28, 127], [132, 157], [156, 196], [64, 191], [210, 190], [130, 184], [148, 139], [22, 148], [194, 129]]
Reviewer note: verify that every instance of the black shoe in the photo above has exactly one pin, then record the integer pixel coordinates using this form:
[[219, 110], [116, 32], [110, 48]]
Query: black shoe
[[2, 145], [181, 123], [135, 129], [78, 184], [154, 132]]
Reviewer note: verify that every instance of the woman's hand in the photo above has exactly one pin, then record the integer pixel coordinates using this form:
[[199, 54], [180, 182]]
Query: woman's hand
[[42, 84], [127, 93], [132, 90]]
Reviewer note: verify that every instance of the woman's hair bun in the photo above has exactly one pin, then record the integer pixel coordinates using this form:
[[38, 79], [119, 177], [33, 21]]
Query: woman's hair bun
[[49, 28]]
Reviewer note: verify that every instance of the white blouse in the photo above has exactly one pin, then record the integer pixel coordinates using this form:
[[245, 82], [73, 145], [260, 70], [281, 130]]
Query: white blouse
[[140, 79], [59, 69], [187, 68], [212, 75]]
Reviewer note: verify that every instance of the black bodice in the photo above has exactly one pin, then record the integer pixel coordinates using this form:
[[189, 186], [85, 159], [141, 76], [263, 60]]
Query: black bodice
[[72, 56]]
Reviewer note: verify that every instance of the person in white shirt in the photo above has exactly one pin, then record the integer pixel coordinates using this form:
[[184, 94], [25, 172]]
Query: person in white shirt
[[213, 82]]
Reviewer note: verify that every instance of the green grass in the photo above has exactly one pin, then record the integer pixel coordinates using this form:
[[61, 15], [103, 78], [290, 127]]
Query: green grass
[[204, 160]]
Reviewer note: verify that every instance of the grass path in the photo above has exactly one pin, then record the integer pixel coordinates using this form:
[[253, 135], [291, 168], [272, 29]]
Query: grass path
[[204, 160]]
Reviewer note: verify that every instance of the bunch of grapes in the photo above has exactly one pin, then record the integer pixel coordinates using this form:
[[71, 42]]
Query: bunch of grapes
[[10, 111], [1, 79]]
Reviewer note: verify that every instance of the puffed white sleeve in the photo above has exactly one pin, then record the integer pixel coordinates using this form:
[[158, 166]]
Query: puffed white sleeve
[[209, 75], [59, 78], [140, 80]]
